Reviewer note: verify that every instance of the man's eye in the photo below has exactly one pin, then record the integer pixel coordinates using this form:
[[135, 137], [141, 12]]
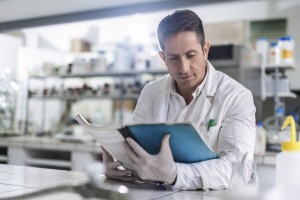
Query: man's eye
[[190, 56], [173, 58]]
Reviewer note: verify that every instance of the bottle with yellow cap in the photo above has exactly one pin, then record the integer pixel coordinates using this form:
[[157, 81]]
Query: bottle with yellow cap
[[288, 164]]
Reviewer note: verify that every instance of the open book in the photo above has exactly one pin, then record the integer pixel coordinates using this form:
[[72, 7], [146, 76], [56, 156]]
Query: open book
[[186, 143]]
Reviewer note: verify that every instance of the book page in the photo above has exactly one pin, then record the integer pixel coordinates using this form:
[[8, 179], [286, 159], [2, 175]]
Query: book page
[[110, 139]]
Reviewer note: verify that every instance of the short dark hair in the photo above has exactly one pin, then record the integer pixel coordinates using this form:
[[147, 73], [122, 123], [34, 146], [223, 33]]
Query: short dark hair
[[179, 21]]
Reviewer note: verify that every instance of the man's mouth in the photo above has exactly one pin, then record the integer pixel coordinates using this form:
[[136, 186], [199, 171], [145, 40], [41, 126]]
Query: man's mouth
[[185, 77]]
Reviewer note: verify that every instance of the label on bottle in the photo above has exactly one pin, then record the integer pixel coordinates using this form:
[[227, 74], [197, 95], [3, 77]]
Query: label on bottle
[[286, 53]]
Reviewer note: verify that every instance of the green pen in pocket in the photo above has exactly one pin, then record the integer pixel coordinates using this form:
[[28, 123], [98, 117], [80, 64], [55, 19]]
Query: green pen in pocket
[[211, 123]]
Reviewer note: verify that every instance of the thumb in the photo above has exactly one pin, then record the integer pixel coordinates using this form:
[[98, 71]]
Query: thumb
[[165, 145]]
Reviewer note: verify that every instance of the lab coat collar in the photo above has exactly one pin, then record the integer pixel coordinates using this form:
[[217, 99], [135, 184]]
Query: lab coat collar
[[211, 84], [204, 102], [162, 100]]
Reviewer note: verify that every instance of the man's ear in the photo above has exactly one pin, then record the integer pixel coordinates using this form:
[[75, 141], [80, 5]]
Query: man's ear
[[162, 56], [206, 48]]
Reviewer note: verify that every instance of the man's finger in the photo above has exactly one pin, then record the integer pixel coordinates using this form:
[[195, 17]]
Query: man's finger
[[113, 165], [137, 148], [107, 158]]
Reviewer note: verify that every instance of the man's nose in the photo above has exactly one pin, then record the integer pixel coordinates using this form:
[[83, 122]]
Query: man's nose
[[184, 65]]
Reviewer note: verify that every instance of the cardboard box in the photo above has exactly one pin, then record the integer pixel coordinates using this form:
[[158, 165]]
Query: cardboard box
[[80, 45]]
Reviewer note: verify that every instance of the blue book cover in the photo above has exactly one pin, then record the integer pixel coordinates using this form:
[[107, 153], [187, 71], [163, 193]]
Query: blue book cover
[[186, 143]]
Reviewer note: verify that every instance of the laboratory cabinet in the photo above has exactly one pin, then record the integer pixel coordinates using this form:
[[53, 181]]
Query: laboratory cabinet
[[276, 88], [245, 65], [49, 152]]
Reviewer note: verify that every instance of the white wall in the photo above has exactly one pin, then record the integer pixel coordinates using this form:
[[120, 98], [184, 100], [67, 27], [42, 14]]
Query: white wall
[[11, 10], [9, 47]]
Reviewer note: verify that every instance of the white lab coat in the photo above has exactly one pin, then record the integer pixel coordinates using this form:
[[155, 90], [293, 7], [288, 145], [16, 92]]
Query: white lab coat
[[223, 99]]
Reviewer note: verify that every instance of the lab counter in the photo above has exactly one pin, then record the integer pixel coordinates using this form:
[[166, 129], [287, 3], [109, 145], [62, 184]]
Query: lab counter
[[38, 183], [38, 151], [50, 143], [55, 153]]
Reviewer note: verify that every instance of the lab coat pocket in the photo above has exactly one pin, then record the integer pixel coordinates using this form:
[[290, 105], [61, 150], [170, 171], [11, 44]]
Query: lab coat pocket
[[210, 136]]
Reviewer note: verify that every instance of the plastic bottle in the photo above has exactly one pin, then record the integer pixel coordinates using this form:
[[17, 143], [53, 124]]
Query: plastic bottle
[[260, 145], [122, 59], [288, 164], [101, 62], [286, 46], [274, 54], [262, 47]]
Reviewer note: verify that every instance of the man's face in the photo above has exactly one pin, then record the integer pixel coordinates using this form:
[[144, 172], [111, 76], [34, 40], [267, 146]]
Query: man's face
[[185, 59]]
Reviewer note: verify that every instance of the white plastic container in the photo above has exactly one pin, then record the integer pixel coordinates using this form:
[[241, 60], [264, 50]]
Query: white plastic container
[[288, 165], [101, 62], [284, 84], [123, 59], [286, 49], [262, 47], [274, 58]]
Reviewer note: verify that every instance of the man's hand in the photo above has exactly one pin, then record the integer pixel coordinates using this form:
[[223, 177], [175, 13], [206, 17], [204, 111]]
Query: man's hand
[[112, 170], [159, 167]]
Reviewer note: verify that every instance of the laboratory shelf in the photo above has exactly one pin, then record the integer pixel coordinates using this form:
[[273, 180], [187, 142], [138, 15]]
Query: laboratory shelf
[[269, 66], [76, 98], [112, 74], [282, 95], [119, 88]]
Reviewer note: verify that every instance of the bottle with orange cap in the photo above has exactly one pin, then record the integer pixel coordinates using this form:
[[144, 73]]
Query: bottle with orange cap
[[288, 164]]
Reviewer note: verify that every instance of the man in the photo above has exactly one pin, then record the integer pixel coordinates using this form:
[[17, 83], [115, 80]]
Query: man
[[193, 91]]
